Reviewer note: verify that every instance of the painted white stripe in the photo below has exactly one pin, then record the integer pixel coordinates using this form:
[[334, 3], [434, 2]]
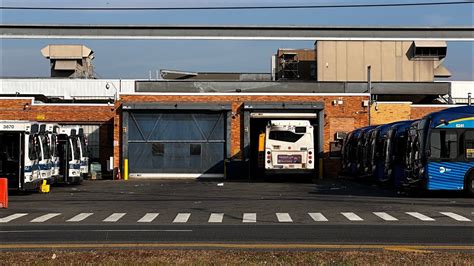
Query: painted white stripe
[[284, 218], [44, 218], [352, 216], [182, 218], [148, 218], [249, 218], [318, 217], [385, 216], [216, 218], [456, 217], [420, 216], [12, 217], [80, 217], [114, 217], [173, 176]]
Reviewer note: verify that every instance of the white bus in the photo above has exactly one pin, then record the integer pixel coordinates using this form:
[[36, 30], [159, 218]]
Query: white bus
[[289, 147], [44, 157], [84, 150], [52, 131], [20, 152], [69, 155]]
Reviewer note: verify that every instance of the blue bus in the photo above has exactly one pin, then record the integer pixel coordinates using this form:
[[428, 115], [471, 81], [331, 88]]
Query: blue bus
[[440, 150], [395, 150]]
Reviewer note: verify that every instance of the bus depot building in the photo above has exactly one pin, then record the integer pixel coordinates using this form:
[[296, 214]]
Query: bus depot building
[[193, 129]]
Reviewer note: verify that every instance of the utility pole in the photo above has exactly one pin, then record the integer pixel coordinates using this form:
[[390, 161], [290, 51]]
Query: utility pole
[[369, 89]]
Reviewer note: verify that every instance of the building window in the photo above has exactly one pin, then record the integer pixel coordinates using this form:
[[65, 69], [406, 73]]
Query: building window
[[158, 149]]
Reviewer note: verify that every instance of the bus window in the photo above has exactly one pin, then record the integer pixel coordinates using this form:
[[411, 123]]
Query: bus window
[[444, 144], [286, 136], [469, 145], [32, 148]]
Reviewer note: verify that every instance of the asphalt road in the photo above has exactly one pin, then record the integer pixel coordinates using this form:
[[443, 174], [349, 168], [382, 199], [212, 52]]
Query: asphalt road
[[330, 212]]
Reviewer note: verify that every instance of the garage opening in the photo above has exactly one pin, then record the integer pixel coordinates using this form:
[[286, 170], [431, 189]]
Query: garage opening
[[257, 120], [176, 143]]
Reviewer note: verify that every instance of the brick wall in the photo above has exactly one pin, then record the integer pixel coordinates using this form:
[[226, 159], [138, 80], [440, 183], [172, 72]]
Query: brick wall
[[419, 111], [351, 109], [384, 113]]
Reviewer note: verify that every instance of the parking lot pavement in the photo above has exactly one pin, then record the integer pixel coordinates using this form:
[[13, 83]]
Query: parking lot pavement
[[190, 202]]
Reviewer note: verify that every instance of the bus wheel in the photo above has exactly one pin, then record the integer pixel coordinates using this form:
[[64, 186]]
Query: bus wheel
[[469, 186]]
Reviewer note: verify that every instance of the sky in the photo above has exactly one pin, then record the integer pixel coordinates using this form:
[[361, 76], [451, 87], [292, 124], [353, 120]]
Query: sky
[[136, 58]]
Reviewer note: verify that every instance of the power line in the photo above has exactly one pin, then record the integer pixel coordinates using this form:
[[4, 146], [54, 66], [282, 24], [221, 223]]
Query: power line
[[238, 7]]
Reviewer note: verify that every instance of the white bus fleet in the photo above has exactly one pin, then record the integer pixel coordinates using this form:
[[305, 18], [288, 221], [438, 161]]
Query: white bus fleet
[[289, 147], [31, 152]]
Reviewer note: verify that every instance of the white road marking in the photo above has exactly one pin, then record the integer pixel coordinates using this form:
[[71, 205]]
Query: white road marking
[[114, 217], [249, 218], [44, 218], [318, 217], [352, 216], [80, 217], [216, 218], [420, 216], [12, 217], [284, 217], [385, 216], [456, 217], [182, 218], [148, 218]]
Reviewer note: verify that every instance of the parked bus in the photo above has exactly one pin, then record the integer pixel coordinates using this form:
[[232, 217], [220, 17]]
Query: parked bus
[[84, 153], [395, 150], [350, 152], [52, 130], [44, 156], [361, 150], [289, 147], [69, 155], [441, 155], [381, 152], [20, 151]]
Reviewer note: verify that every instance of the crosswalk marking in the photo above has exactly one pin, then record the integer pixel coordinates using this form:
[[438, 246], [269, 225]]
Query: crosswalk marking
[[216, 218], [420, 216], [352, 216], [385, 216], [44, 218], [246, 217], [456, 217], [80, 217], [114, 217], [317, 217], [148, 218], [249, 218], [284, 217], [12, 217], [182, 218]]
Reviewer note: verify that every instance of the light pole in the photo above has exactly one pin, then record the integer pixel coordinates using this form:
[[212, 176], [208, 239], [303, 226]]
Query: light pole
[[369, 89]]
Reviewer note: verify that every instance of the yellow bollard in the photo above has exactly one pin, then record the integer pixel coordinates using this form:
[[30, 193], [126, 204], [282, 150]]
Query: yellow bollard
[[125, 169], [45, 187]]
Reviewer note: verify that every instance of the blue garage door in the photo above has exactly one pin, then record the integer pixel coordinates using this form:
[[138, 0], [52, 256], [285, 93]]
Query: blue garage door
[[177, 142]]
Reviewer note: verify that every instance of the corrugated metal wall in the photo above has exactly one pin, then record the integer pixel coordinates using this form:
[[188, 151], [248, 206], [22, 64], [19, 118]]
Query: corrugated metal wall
[[68, 88], [93, 136]]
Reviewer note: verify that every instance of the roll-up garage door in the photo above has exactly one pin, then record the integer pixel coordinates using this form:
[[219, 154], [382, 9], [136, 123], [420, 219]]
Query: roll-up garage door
[[184, 143]]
